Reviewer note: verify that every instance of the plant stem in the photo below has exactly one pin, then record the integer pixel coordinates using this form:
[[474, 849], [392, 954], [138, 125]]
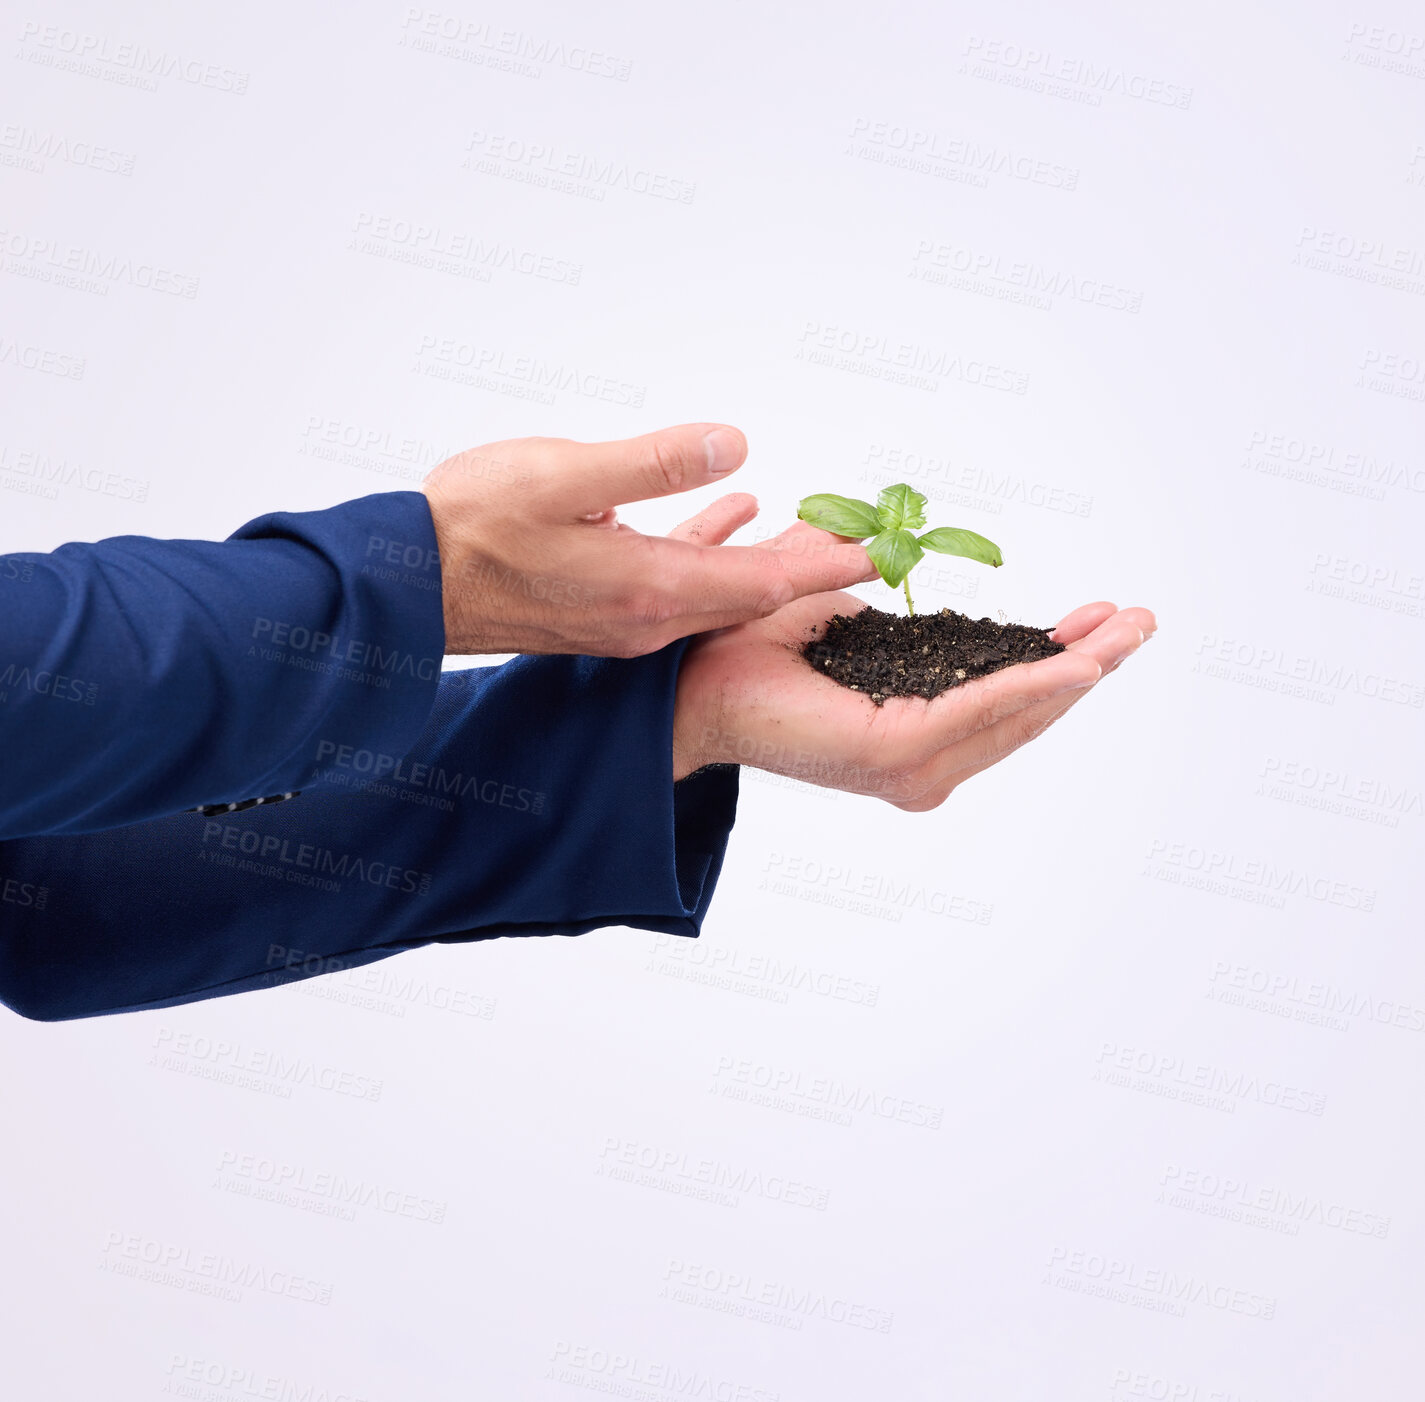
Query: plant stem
[[909, 602]]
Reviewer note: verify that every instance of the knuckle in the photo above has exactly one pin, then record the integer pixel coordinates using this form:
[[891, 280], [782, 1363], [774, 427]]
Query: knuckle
[[775, 592], [545, 455], [999, 703], [1038, 723], [666, 467], [1023, 728], [648, 607], [542, 464], [898, 784], [921, 803]]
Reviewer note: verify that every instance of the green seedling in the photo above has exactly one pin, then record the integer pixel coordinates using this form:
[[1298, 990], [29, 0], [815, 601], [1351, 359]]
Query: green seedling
[[888, 530]]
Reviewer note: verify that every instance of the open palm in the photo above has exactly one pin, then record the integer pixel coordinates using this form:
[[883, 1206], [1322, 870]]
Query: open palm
[[746, 695]]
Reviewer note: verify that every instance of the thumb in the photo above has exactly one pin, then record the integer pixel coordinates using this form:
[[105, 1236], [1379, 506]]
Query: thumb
[[588, 478]]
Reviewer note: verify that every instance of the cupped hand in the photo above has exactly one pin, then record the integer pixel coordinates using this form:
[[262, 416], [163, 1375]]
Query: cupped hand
[[533, 557], [747, 696]]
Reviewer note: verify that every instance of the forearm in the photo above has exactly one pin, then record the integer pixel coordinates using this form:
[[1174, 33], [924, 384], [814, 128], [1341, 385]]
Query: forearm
[[141, 677], [539, 799]]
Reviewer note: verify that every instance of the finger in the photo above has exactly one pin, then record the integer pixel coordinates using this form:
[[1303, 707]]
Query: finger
[[798, 622], [1110, 646], [585, 478], [1114, 640], [713, 524], [782, 538], [944, 774], [940, 778], [1082, 621], [702, 589], [802, 538], [952, 717], [1144, 620]]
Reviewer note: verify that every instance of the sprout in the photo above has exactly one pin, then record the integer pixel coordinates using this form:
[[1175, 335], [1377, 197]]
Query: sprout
[[893, 549]]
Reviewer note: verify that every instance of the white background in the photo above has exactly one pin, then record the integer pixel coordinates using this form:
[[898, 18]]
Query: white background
[[1086, 1156]]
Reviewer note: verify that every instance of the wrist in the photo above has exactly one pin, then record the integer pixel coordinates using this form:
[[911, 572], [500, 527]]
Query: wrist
[[474, 606], [690, 727], [687, 756], [451, 567]]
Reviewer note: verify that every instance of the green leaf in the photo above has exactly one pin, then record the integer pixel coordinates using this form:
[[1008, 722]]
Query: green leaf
[[895, 554], [900, 508], [948, 540], [841, 515]]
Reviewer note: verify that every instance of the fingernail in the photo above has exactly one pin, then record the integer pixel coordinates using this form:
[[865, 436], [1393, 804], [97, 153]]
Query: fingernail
[[722, 449]]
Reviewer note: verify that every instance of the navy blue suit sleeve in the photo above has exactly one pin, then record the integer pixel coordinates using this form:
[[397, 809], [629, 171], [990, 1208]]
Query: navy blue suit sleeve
[[538, 800], [142, 677]]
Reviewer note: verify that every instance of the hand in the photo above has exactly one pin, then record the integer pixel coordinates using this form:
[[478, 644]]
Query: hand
[[746, 696], [534, 559]]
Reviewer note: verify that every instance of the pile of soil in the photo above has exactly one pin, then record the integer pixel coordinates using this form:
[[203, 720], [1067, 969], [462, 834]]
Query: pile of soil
[[888, 654]]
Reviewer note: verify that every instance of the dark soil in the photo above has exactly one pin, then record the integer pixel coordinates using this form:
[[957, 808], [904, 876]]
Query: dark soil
[[888, 654]]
